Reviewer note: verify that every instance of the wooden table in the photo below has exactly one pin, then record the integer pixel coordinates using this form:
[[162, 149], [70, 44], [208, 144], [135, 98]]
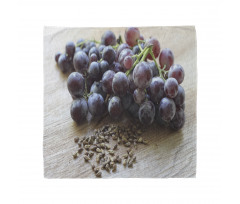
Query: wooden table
[[168, 154]]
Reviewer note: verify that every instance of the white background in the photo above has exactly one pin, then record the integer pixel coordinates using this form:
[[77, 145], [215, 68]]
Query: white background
[[21, 108]]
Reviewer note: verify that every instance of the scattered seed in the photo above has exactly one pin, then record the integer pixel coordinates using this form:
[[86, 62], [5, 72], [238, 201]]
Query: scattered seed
[[93, 167], [98, 174], [86, 158], [130, 153], [80, 150], [75, 155], [145, 142], [91, 154], [125, 156], [140, 140], [130, 163], [114, 168], [124, 162], [76, 139], [98, 150], [127, 144], [134, 159], [111, 152], [115, 147]]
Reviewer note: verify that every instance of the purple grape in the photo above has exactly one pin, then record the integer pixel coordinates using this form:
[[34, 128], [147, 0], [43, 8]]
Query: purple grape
[[166, 58], [156, 89], [176, 71], [123, 54], [108, 54], [132, 86], [133, 109], [79, 110], [156, 47], [107, 81], [80, 43], [142, 75], [77, 49], [180, 97], [131, 36], [178, 121], [108, 38], [167, 109], [104, 66], [139, 96], [100, 50], [136, 49], [128, 62], [95, 51], [127, 100], [154, 69], [120, 84], [171, 87], [70, 50], [120, 48], [96, 104], [115, 108], [89, 83], [94, 70], [57, 55], [97, 88], [116, 67], [80, 62], [93, 58], [141, 37], [146, 113], [65, 64], [76, 84]]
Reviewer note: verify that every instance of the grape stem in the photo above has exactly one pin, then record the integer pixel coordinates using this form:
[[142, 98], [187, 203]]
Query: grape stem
[[139, 45], [81, 44], [143, 53], [158, 67]]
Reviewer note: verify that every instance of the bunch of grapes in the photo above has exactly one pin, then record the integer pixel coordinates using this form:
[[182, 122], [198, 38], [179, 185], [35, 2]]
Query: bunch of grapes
[[115, 76]]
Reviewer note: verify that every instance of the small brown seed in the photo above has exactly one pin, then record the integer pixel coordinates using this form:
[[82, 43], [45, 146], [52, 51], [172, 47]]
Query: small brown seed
[[114, 168], [96, 170], [93, 166], [86, 158], [140, 140], [98, 150], [91, 154], [107, 147], [124, 162], [134, 159], [130, 153], [111, 164], [79, 144], [75, 155], [127, 144], [115, 147], [119, 141], [87, 147], [98, 174], [111, 152], [98, 158], [145, 142], [93, 148], [80, 150], [125, 156], [76, 139], [119, 160], [130, 163], [86, 153]]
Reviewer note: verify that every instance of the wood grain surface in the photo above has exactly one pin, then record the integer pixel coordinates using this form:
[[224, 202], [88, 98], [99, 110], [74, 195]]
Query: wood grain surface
[[168, 154]]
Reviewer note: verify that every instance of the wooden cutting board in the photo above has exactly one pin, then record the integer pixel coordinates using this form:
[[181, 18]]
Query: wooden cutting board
[[168, 154]]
